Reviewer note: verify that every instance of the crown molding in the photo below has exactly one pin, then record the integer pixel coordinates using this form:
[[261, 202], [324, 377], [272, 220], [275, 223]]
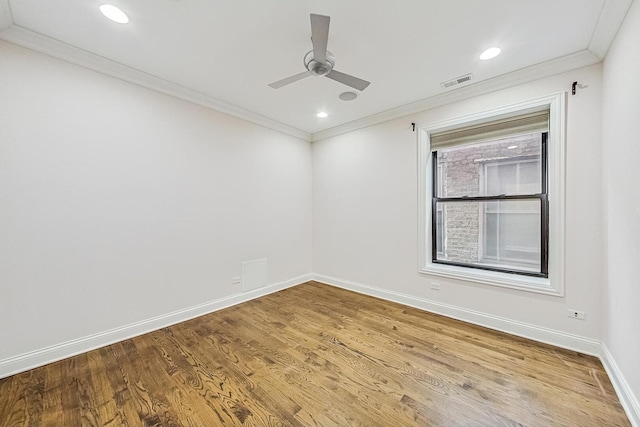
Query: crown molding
[[611, 17], [57, 49], [609, 21], [535, 72], [5, 15]]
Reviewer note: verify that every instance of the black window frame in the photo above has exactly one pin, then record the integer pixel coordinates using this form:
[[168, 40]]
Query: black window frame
[[544, 216]]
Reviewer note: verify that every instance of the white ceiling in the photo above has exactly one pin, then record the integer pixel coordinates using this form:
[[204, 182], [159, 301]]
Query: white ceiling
[[223, 54]]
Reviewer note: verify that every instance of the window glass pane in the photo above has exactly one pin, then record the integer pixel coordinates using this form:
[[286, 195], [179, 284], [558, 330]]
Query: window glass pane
[[529, 177], [509, 166], [491, 230], [500, 234], [461, 228], [439, 234]]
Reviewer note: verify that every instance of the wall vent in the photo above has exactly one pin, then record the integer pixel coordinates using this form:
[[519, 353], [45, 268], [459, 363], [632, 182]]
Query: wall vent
[[457, 81]]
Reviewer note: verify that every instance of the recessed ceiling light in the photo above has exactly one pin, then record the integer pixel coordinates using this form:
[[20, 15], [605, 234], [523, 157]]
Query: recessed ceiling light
[[348, 96], [511, 147], [114, 13], [490, 53], [322, 114]]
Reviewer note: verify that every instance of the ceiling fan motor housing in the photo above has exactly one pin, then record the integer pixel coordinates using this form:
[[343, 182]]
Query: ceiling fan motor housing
[[316, 68]]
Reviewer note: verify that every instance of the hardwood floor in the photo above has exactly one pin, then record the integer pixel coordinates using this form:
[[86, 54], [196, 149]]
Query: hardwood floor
[[315, 355]]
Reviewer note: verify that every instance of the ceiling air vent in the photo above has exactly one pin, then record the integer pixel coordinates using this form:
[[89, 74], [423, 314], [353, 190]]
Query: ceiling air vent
[[457, 81]]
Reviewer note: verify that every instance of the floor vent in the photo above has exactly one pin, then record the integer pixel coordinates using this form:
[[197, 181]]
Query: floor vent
[[457, 81]]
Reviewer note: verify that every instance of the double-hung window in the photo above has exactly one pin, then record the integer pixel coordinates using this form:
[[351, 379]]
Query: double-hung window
[[486, 200], [490, 207]]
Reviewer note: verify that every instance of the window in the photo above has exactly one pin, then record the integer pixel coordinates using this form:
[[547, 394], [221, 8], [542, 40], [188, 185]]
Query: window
[[492, 197]]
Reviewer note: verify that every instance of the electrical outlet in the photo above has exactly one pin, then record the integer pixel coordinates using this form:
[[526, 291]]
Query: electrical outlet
[[575, 314], [435, 286], [235, 281]]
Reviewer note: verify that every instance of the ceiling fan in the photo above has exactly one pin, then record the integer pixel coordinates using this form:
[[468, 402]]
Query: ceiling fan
[[319, 61]]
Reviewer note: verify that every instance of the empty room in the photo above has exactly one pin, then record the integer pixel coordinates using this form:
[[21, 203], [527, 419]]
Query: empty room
[[319, 213]]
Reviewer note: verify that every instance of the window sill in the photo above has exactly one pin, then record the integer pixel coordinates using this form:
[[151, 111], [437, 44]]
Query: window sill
[[506, 280]]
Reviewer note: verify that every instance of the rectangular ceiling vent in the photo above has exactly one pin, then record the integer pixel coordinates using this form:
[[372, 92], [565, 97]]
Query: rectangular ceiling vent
[[457, 81]]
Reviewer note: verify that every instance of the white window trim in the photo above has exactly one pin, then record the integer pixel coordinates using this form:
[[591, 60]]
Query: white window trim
[[556, 143]]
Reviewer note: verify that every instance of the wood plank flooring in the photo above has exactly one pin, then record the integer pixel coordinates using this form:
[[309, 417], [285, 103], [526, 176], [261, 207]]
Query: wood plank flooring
[[315, 355]]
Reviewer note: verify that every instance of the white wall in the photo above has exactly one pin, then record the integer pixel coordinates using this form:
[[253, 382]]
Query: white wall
[[621, 146], [366, 225], [118, 203]]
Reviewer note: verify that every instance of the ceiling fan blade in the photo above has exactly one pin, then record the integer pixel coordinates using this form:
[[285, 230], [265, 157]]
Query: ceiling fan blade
[[289, 80], [319, 36], [348, 80]]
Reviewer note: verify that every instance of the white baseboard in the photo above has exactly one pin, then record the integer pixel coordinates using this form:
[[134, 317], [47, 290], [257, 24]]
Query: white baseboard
[[537, 333], [560, 339], [627, 399], [34, 359]]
